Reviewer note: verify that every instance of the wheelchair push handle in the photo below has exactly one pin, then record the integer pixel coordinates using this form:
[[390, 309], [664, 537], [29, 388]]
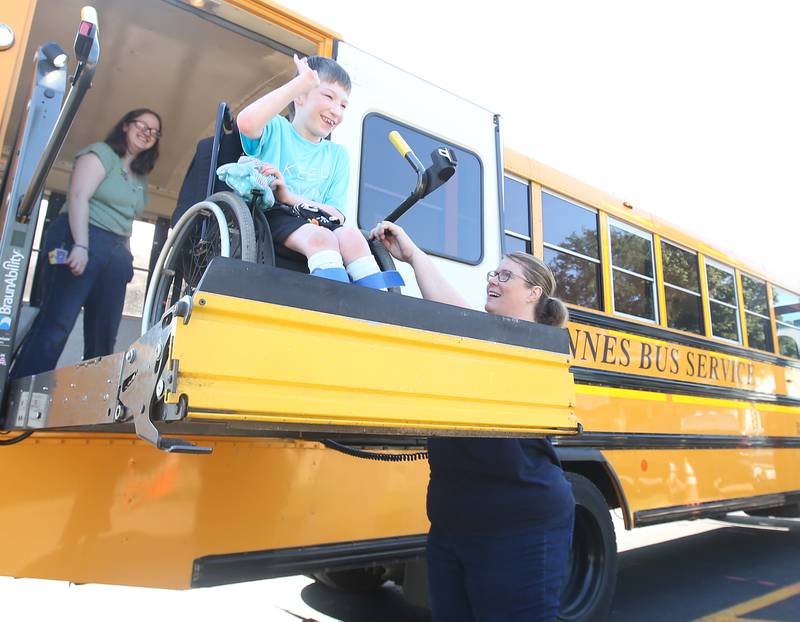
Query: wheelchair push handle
[[442, 168]]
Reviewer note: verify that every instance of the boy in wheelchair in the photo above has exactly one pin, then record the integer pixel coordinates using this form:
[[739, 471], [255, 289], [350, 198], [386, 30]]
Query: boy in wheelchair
[[310, 173]]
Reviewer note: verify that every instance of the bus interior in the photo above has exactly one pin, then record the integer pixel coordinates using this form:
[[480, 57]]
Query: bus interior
[[154, 54]]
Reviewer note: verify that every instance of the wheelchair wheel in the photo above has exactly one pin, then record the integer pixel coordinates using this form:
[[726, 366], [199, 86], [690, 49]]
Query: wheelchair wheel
[[220, 226], [265, 247]]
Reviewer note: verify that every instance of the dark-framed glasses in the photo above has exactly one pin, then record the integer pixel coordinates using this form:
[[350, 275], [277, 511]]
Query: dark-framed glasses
[[502, 275], [146, 129]]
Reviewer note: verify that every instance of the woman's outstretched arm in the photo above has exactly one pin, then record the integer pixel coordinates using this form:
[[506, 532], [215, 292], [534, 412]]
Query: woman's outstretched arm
[[431, 282]]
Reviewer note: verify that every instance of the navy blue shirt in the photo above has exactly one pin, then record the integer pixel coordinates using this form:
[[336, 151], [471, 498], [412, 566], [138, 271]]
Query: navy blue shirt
[[495, 484]]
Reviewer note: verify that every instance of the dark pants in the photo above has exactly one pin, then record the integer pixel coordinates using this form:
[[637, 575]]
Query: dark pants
[[513, 577], [100, 290]]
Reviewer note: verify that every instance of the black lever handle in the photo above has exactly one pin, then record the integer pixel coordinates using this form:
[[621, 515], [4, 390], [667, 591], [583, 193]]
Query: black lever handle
[[443, 167]]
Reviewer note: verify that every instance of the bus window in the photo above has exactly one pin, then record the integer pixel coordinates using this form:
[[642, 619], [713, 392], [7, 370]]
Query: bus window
[[632, 273], [571, 249], [787, 321], [756, 310], [448, 222], [682, 289], [723, 302], [516, 215]]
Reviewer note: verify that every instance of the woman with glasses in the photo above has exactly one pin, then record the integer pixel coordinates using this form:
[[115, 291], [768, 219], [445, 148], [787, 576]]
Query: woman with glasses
[[501, 510], [89, 260]]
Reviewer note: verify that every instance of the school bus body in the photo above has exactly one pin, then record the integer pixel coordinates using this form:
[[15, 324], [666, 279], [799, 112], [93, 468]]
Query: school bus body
[[110, 509], [675, 425], [690, 425]]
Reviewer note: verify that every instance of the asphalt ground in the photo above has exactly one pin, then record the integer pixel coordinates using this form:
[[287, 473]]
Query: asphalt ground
[[739, 568]]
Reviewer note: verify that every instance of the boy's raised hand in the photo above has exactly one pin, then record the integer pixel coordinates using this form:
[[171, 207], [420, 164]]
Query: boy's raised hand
[[309, 77]]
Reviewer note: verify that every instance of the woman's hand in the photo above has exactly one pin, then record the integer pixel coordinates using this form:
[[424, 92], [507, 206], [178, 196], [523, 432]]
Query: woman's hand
[[77, 260], [308, 77], [395, 240]]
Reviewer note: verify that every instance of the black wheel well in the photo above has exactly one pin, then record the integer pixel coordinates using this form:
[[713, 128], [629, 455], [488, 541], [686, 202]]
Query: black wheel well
[[597, 473]]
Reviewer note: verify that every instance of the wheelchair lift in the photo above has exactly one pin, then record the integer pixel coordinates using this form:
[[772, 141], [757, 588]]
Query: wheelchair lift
[[262, 351]]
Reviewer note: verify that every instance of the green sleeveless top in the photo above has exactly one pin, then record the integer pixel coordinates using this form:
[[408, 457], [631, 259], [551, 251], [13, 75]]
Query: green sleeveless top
[[119, 197]]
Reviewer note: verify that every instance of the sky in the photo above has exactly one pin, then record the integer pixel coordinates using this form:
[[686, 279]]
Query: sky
[[687, 110]]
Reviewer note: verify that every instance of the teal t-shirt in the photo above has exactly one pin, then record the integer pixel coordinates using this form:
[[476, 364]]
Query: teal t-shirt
[[316, 171], [118, 199]]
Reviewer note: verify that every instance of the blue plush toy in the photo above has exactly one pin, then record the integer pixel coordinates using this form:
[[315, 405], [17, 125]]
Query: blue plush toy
[[244, 176]]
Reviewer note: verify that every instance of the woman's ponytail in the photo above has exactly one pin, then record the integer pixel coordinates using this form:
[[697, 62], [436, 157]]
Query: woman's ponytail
[[551, 311]]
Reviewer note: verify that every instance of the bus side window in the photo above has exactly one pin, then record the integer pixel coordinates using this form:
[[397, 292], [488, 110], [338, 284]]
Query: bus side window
[[787, 321], [449, 221], [572, 250], [516, 215], [683, 299], [632, 271], [722, 301], [756, 310]]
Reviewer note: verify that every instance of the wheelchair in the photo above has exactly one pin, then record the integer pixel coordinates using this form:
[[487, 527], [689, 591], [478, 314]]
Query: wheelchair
[[212, 221]]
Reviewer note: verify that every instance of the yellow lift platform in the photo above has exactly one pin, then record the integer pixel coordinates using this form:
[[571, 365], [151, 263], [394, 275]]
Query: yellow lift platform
[[263, 351]]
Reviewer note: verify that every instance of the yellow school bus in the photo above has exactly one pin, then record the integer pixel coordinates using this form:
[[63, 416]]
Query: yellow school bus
[[680, 366]]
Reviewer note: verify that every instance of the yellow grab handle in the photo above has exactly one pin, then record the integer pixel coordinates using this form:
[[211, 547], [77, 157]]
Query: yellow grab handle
[[89, 14], [399, 143]]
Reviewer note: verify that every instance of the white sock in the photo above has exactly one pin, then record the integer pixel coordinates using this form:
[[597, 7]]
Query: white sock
[[361, 267], [325, 259]]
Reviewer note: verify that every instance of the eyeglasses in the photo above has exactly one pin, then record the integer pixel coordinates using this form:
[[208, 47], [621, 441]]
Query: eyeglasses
[[502, 275], [146, 129]]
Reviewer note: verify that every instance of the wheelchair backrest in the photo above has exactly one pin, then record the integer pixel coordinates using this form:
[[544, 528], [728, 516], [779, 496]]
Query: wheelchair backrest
[[201, 174]]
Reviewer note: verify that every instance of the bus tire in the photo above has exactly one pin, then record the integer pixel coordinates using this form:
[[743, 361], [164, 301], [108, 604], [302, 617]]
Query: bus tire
[[353, 579], [592, 571]]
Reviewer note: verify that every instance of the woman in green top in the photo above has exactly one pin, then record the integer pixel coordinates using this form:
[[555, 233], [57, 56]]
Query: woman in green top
[[107, 190]]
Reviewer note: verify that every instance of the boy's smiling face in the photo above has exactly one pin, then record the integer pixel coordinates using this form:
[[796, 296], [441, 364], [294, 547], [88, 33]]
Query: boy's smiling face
[[319, 112]]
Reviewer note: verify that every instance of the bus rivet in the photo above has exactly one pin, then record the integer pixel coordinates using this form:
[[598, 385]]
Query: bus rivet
[[130, 355], [202, 302], [119, 413], [6, 37], [160, 388]]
